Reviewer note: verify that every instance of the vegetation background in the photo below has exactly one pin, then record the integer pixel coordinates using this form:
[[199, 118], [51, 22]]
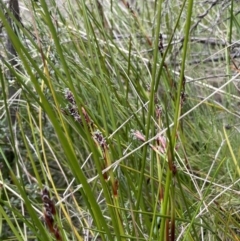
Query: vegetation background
[[119, 120]]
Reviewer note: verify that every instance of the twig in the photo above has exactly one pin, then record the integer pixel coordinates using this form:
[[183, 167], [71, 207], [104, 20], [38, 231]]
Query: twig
[[194, 26]]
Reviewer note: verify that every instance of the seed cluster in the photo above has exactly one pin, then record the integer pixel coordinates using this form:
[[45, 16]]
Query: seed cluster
[[74, 111], [49, 213]]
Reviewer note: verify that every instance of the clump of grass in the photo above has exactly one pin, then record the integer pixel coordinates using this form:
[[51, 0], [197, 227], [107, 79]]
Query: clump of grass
[[117, 119]]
